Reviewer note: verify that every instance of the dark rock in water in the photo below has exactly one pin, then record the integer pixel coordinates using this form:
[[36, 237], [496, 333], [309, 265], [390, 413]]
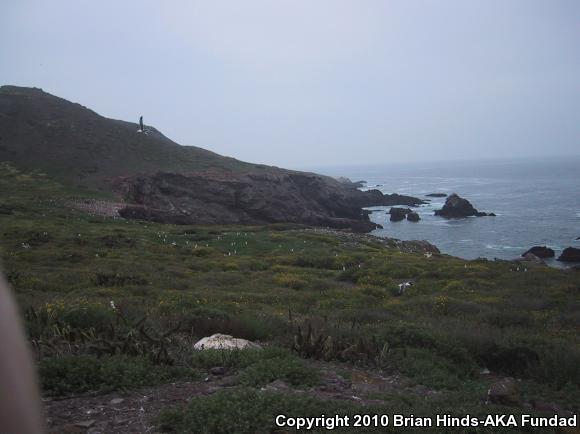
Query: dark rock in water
[[577, 238], [436, 195], [398, 214], [413, 217], [570, 254], [541, 252], [491, 214], [458, 207], [377, 198], [396, 210]]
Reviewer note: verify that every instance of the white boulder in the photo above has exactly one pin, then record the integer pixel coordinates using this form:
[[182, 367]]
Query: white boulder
[[224, 342]]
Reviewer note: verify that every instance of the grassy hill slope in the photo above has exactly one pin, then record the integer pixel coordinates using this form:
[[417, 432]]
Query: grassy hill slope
[[66, 140]]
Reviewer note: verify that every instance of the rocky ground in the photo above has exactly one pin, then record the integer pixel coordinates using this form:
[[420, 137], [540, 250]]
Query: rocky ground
[[135, 411]]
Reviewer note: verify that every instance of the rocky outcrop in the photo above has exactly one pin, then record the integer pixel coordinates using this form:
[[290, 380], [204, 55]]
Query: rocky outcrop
[[224, 342], [570, 254], [221, 197], [543, 252], [373, 197], [163, 181], [458, 207], [352, 239], [530, 257], [398, 214], [347, 181], [413, 217], [436, 195]]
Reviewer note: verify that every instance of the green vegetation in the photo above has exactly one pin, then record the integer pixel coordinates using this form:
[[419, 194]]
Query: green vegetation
[[102, 149], [74, 374], [245, 410], [115, 304]]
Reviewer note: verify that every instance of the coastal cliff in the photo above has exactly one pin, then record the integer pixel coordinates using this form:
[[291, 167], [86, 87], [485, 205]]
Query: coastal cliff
[[162, 181]]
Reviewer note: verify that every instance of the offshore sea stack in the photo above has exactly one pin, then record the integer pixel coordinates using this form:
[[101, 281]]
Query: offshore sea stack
[[542, 252], [570, 254], [413, 217], [458, 207], [398, 214]]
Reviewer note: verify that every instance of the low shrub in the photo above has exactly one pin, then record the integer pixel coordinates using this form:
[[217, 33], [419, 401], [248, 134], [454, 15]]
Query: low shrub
[[250, 411], [71, 375], [287, 368], [290, 280], [115, 279]]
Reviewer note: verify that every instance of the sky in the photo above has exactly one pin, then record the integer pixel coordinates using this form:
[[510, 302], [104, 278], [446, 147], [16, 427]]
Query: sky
[[304, 83]]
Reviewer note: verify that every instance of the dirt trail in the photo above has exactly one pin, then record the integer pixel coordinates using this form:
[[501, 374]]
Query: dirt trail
[[133, 411], [124, 413]]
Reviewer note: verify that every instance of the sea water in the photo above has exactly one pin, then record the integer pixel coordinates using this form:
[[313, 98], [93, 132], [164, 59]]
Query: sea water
[[537, 202]]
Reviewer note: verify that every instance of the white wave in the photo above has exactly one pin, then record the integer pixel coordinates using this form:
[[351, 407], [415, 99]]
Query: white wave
[[502, 247]]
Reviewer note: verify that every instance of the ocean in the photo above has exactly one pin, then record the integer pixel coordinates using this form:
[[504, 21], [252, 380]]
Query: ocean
[[537, 202]]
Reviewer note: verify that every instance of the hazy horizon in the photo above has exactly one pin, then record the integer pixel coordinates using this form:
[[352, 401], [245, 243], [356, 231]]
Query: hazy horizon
[[315, 84]]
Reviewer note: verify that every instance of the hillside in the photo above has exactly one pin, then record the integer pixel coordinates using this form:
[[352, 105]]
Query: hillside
[[161, 180], [75, 144]]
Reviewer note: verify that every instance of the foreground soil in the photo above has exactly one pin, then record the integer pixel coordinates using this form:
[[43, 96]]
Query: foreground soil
[[135, 411]]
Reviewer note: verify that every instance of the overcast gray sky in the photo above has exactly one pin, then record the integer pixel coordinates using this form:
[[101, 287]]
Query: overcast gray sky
[[314, 82]]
